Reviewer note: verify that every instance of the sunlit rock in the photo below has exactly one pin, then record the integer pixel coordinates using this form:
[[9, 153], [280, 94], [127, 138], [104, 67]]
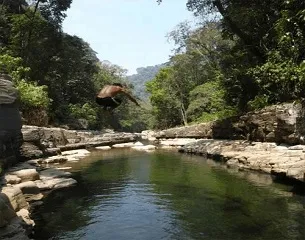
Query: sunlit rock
[[26, 174], [145, 148], [123, 145], [103, 148], [15, 197]]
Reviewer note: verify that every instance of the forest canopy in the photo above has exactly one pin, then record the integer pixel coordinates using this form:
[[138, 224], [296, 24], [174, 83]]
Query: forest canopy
[[241, 56], [57, 75]]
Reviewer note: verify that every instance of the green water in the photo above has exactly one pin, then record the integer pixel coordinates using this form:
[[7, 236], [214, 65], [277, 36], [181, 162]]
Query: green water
[[130, 195]]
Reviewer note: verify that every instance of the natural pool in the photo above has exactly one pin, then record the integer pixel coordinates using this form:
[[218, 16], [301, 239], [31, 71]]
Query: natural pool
[[129, 195]]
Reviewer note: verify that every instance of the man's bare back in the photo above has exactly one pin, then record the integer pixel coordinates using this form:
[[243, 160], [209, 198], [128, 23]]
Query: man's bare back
[[109, 91], [107, 96]]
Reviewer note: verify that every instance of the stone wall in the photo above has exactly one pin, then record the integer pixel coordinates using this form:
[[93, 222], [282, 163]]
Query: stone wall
[[10, 123], [283, 123]]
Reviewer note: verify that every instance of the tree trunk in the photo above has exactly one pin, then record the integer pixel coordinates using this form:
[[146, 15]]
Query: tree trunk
[[183, 114], [236, 30], [29, 43]]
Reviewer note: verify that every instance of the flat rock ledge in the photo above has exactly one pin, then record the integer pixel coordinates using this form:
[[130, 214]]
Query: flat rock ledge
[[279, 160], [22, 188]]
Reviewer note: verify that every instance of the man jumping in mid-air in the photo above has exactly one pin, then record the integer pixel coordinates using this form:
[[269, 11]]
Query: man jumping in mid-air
[[107, 97]]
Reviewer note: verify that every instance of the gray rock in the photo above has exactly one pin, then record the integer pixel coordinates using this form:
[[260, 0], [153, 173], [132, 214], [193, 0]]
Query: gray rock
[[26, 174], [283, 123], [8, 93], [55, 183], [30, 151], [7, 212], [28, 187], [31, 134], [14, 231], [54, 173]]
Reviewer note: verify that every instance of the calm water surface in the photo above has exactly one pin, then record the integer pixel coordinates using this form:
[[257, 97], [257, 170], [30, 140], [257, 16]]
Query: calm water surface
[[127, 195]]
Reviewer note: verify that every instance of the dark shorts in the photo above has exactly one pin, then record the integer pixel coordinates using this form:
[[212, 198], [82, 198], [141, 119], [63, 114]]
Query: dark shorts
[[108, 102]]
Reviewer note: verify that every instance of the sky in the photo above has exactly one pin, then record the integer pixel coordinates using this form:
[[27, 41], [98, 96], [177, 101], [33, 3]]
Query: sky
[[128, 33]]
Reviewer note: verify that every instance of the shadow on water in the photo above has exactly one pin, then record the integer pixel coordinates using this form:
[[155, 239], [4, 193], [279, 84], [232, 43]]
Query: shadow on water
[[168, 196]]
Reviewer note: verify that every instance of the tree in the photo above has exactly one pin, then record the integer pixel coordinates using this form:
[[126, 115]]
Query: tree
[[207, 103], [166, 107]]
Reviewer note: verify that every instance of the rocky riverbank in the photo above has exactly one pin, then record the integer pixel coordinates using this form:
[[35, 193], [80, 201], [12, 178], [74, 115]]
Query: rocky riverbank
[[269, 141], [282, 160], [24, 185]]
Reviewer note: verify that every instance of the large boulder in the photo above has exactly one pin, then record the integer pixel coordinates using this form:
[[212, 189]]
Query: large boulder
[[10, 122]]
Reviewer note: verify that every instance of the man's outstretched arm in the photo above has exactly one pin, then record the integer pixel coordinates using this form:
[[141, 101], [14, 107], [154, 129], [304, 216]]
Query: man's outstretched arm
[[131, 98]]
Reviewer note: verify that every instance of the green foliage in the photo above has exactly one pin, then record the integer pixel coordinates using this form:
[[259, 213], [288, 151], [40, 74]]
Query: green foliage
[[165, 105], [86, 111], [32, 95], [47, 63], [191, 87], [13, 66], [251, 56], [281, 78], [259, 102], [108, 73], [133, 118], [207, 103]]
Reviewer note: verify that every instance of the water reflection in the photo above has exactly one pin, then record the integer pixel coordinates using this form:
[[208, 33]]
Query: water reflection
[[130, 195]]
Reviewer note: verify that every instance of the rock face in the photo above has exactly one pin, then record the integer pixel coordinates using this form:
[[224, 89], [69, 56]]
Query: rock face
[[10, 123], [283, 123], [43, 142]]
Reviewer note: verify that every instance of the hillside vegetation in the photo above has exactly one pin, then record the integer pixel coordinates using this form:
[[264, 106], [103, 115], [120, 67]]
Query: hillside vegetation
[[243, 55]]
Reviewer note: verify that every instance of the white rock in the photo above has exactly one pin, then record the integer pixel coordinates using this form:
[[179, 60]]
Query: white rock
[[12, 179], [25, 215], [63, 168], [144, 148], [79, 152], [178, 141], [123, 145], [297, 147], [138, 144], [16, 197], [103, 148]]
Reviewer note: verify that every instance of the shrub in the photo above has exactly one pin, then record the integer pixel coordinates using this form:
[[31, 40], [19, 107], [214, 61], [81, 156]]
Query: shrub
[[85, 111], [32, 96], [34, 102]]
